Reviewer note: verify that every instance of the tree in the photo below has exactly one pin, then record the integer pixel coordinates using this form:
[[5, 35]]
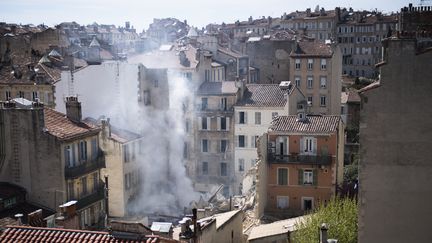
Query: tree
[[340, 215]]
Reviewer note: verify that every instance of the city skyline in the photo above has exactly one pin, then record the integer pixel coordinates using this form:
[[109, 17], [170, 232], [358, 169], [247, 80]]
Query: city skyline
[[141, 14]]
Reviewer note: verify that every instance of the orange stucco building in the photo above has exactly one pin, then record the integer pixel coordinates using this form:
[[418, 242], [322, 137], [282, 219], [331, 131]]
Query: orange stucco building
[[304, 162]]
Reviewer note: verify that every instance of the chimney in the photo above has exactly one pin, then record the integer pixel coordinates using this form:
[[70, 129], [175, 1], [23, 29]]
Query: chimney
[[35, 219], [106, 127], [18, 216], [73, 108], [323, 233], [68, 218]]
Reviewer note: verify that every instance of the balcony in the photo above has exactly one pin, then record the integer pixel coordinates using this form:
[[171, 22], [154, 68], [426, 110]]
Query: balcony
[[97, 195], [86, 167], [299, 159]]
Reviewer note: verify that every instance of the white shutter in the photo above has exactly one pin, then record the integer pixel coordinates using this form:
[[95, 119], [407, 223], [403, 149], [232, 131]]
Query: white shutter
[[227, 122], [237, 141], [237, 117], [302, 145], [245, 117], [314, 146], [245, 141], [199, 123], [218, 123], [208, 123], [252, 141]]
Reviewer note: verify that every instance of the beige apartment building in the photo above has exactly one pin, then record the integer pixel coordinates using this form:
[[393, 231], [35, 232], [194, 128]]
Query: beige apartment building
[[54, 156], [316, 69]]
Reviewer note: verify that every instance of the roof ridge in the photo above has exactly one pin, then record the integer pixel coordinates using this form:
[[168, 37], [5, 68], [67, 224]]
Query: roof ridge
[[54, 229]]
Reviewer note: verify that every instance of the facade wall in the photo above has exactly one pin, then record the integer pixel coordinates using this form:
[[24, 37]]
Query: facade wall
[[395, 147], [232, 230], [331, 91], [250, 130], [45, 93], [271, 58], [213, 134]]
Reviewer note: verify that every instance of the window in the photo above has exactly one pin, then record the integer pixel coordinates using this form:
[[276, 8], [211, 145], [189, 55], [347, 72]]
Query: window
[[146, 97], [156, 83], [204, 168], [241, 141], [254, 140], [282, 176], [309, 100], [307, 203], [84, 186], [204, 103], [282, 202], [308, 145], [83, 150], [126, 153], [204, 125], [274, 114], [21, 94], [253, 162], [94, 148], [307, 177], [323, 82], [223, 104], [297, 64], [242, 117], [310, 82], [323, 64], [223, 124], [241, 165], [10, 202], [223, 146], [223, 169], [35, 95], [95, 181], [71, 192], [68, 155], [310, 64], [7, 95], [204, 145], [257, 118], [323, 101], [297, 81]]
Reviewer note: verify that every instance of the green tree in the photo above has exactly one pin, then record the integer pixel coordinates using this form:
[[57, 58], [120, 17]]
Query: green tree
[[340, 215]]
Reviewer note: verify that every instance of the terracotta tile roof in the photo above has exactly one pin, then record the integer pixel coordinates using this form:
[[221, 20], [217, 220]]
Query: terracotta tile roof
[[311, 49], [313, 124], [217, 88], [371, 86], [63, 128], [275, 228], [117, 134], [263, 95], [39, 234]]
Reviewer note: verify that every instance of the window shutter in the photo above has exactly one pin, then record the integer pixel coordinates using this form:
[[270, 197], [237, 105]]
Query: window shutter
[[245, 117], [227, 122], [314, 148], [245, 141], [237, 141], [73, 159], [300, 177], [208, 146], [315, 177], [218, 123], [278, 146], [302, 145], [67, 163], [252, 141], [285, 140], [208, 123], [237, 117], [199, 123]]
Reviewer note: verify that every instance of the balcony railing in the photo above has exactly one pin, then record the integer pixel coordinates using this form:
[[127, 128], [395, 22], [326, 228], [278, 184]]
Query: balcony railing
[[86, 167], [300, 159], [97, 195]]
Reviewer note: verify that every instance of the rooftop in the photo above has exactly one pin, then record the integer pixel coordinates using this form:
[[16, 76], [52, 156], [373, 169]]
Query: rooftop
[[60, 126], [311, 49], [276, 228], [221, 218], [218, 88], [313, 124], [263, 95], [39, 234], [350, 97]]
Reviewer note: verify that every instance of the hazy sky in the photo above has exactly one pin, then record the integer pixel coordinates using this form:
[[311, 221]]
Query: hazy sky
[[141, 12]]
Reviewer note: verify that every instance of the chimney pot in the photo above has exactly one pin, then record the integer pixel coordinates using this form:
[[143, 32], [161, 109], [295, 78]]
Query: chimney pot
[[73, 108]]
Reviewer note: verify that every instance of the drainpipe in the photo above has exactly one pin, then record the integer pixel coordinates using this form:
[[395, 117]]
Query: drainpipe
[[106, 197]]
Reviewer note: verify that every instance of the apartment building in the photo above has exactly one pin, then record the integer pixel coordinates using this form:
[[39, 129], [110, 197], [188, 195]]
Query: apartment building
[[316, 69], [304, 160], [260, 104], [54, 156], [211, 153]]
